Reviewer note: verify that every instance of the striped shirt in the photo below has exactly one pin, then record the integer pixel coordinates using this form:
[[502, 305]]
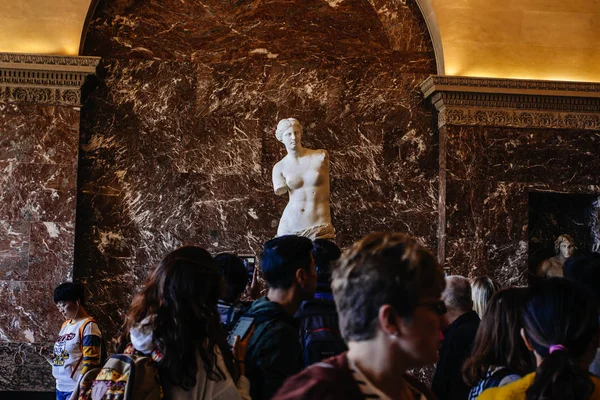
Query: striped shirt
[[74, 355]]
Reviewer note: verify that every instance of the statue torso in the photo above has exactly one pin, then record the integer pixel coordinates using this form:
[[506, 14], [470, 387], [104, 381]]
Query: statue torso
[[307, 182]]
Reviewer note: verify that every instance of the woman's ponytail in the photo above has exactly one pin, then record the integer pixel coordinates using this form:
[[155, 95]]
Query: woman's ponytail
[[560, 377], [561, 324]]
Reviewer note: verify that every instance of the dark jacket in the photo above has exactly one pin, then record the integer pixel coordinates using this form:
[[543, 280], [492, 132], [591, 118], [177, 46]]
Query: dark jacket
[[456, 347], [273, 350], [332, 380]]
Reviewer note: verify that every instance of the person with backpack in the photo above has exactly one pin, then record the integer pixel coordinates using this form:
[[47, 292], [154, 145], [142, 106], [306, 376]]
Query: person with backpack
[[274, 352], [175, 320], [387, 289], [499, 355], [561, 329], [317, 318], [236, 279], [78, 346]]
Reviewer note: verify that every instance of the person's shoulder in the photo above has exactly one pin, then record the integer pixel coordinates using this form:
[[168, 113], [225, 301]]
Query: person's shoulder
[[464, 324], [329, 379], [469, 321], [89, 326], [308, 384], [316, 305], [513, 391], [419, 386], [272, 314]]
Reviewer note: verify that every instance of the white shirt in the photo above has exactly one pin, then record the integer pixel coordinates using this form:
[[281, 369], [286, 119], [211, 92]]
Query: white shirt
[[68, 354]]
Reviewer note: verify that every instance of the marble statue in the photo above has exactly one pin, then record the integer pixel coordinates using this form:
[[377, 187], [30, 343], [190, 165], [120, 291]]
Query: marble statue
[[304, 175], [564, 246]]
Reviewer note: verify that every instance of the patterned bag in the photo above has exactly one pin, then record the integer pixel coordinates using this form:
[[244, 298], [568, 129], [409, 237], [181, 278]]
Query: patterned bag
[[128, 376]]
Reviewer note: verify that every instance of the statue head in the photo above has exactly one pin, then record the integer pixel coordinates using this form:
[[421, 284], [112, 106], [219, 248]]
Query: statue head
[[289, 132], [564, 245]]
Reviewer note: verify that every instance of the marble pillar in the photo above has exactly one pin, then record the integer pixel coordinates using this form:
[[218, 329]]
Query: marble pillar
[[39, 135]]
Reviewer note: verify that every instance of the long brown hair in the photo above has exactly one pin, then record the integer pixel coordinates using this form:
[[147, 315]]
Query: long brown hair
[[498, 340], [181, 295]]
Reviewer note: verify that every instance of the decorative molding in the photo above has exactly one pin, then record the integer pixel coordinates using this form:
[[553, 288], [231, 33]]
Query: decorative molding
[[514, 103], [42, 79]]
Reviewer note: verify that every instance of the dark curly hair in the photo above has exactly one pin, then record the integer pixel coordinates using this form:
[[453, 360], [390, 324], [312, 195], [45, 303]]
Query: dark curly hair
[[182, 295]]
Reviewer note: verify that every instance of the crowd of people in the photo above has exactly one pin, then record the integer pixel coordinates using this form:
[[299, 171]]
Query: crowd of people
[[345, 325]]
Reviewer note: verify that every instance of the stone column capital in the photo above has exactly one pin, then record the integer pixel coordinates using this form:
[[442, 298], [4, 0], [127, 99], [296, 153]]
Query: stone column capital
[[514, 103], [44, 79]]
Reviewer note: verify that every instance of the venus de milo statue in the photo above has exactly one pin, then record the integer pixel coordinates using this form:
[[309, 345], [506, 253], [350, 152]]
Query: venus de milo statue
[[304, 175]]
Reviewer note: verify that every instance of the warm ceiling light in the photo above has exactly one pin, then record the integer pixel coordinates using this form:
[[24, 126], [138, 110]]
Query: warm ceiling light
[[42, 26]]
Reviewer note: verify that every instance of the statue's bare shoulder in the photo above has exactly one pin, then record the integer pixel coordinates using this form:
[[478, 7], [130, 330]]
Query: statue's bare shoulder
[[551, 267], [544, 267], [279, 183], [278, 166], [320, 155]]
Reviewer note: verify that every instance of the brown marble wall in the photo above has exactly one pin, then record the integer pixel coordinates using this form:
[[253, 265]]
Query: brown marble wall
[[177, 141], [490, 173], [38, 159]]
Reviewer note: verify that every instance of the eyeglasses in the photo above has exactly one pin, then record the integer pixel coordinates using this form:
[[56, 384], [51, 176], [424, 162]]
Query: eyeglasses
[[439, 307]]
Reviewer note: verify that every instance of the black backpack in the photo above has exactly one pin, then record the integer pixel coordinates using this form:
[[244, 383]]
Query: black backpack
[[319, 331]]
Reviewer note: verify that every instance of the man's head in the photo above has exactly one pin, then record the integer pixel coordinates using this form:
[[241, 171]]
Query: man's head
[[69, 297], [325, 253], [235, 276], [564, 245], [457, 296], [387, 289], [287, 264]]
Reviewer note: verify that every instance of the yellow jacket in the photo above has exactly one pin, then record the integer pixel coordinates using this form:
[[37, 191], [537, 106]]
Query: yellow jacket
[[516, 390]]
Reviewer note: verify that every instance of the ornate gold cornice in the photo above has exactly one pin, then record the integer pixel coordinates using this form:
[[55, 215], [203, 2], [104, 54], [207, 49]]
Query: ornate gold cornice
[[514, 103], [43, 79]]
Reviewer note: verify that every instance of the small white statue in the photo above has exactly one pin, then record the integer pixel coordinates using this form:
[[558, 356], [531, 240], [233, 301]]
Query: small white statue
[[564, 246], [304, 175]]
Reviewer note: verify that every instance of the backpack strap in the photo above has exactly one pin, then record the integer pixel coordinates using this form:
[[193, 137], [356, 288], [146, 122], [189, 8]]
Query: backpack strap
[[259, 329], [261, 323]]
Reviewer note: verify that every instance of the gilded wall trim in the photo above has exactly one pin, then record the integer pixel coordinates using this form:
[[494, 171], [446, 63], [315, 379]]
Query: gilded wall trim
[[514, 103], [42, 79]]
